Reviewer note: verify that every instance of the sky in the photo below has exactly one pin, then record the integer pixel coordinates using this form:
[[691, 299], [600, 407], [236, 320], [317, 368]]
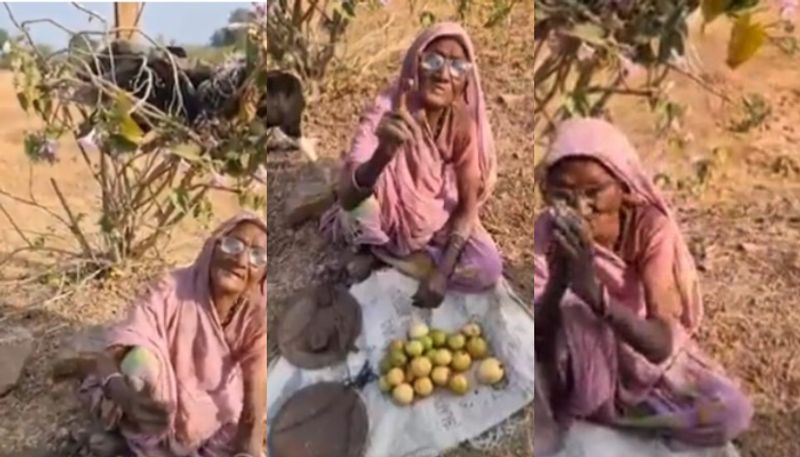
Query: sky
[[186, 23]]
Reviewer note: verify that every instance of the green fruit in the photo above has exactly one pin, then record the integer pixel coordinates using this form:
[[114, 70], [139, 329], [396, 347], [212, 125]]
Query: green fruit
[[477, 348], [398, 359], [414, 349], [443, 357], [456, 341], [439, 338], [427, 342], [396, 345], [384, 385], [386, 365], [431, 353]]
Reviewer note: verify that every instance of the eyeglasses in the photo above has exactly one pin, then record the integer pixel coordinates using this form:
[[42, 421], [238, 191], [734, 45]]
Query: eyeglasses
[[433, 61], [234, 246], [572, 195]]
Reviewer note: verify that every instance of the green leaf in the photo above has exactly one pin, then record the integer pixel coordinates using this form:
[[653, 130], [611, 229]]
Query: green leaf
[[498, 15], [713, 9], [23, 101], [127, 127], [747, 38], [188, 152], [426, 18], [589, 33], [120, 143]]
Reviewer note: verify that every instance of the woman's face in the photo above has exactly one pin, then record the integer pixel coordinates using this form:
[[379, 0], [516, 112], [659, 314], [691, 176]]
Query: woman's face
[[443, 72], [240, 259], [588, 187]]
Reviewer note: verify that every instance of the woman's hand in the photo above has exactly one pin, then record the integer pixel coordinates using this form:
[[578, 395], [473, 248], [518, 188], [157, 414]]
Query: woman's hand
[[574, 240], [396, 127], [431, 291], [141, 411]]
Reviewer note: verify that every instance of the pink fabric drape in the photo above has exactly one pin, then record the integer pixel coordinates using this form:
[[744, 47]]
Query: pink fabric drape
[[199, 361]]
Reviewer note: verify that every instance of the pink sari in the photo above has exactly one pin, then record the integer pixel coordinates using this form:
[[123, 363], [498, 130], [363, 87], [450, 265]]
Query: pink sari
[[416, 194], [686, 399], [193, 363]]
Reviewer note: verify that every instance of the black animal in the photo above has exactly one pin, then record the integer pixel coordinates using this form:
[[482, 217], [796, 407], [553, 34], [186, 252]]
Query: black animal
[[284, 104], [200, 93], [149, 75]]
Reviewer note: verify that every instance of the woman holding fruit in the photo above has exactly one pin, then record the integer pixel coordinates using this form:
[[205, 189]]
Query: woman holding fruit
[[617, 303], [421, 165], [185, 373]]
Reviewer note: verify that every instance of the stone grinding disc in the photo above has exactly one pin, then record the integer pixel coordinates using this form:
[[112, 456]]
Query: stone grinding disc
[[323, 420], [320, 328]]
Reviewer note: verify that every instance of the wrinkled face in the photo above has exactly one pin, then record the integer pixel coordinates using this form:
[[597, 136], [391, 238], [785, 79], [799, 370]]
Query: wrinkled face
[[443, 72], [239, 260], [588, 187]]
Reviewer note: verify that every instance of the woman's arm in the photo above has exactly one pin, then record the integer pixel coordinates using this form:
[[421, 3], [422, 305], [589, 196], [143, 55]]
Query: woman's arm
[[365, 176], [547, 317], [465, 215], [252, 429], [652, 336]]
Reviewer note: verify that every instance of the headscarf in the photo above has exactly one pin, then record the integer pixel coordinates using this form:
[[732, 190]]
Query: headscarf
[[200, 374], [603, 142], [606, 371], [415, 207]]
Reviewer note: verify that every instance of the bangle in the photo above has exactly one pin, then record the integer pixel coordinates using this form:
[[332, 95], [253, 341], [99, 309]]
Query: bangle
[[355, 183], [457, 240], [107, 380], [110, 377]]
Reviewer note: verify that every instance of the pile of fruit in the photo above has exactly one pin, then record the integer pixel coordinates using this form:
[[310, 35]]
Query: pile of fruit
[[430, 358]]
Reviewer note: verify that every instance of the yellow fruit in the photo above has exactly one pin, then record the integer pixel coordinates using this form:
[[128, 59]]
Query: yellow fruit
[[403, 394], [421, 367], [385, 365], [397, 345], [383, 385], [398, 359], [423, 387], [414, 349], [461, 361], [456, 341], [443, 357], [438, 337], [440, 376], [427, 342], [471, 330], [417, 330], [395, 377], [458, 384], [409, 375], [477, 348], [490, 371]]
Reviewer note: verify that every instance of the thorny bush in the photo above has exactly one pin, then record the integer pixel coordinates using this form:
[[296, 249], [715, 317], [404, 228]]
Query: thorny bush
[[587, 51], [305, 35], [157, 137]]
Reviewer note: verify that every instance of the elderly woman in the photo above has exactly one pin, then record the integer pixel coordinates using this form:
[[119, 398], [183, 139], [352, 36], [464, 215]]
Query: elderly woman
[[185, 373], [421, 165], [617, 303]]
